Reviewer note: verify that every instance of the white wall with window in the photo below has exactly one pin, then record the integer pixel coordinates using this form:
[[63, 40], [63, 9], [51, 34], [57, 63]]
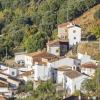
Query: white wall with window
[[54, 50], [73, 84], [74, 35], [28, 61]]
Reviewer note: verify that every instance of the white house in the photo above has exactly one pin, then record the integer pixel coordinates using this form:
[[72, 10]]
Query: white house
[[62, 31], [42, 73], [28, 60], [73, 80], [4, 87], [60, 74], [8, 70], [58, 47], [26, 75], [74, 35], [20, 57], [88, 68], [71, 32], [46, 63]]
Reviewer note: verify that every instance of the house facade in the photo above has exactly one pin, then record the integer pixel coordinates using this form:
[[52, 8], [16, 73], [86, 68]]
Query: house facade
[[58, 47], [20, 57], [62, 31], [70, 79], [73, 81], [70, 32], [74, 35], [88, 68]]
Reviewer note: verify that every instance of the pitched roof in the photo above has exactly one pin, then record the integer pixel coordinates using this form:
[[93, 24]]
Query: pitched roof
[[33, 53], [72, 73], [45, 55], [89, 65], [56, 42], [14, 79], [67, 25], [63, 68], [63, 25], [12, 63], [27, 73], [2, 84]]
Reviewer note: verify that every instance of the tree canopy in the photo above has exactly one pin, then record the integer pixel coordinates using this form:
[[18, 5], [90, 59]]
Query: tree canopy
[[29, 23]]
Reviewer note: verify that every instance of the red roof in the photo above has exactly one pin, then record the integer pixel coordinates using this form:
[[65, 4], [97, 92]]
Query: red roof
[[89, 65], [56, 42], [63, 25]]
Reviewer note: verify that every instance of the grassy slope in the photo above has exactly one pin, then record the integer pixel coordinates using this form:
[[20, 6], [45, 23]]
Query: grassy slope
[[86, 21]]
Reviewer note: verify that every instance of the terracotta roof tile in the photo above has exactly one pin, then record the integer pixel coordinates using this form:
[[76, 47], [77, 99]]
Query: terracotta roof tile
[[63, 25], [56, 42], [27, 73], [72, 73], [63, 68], [2, 84], [89, 65], [45, 55]]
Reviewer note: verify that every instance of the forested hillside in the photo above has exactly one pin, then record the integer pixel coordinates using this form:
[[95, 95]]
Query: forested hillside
[[30, 23]]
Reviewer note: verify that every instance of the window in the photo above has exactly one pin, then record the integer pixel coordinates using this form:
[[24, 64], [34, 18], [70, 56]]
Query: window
[[74, 31], [57, 50], [13, 73], [74, 37]]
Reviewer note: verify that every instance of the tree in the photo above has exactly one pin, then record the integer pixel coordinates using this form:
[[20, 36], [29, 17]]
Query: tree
[[92, 86], [96, 30], [97, 14], [46, 91]]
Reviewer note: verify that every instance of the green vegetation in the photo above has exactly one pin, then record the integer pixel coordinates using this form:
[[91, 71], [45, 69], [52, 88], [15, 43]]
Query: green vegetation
[[28, 87], [97, 14], [92, 86], [96, 30], [45, 91], [29, 23]]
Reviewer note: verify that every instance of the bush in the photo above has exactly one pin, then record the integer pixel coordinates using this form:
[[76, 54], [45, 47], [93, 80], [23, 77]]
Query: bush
[[97, 14]]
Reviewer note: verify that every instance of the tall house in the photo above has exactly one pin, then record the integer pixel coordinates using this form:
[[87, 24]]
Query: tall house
[[70, 32]]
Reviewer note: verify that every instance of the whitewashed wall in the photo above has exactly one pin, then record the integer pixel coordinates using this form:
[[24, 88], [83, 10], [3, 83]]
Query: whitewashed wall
[[71, 35], [28, 61], [54, 50], [60, 77], [41, 73], [13, 72], [20, 57], [88, 71], [84, 58], [75, 84], [3, 76], [4, 89], [63, 62]]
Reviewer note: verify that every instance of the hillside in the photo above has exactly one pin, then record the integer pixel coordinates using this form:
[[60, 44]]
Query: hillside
[[87, 20], [30, 23]]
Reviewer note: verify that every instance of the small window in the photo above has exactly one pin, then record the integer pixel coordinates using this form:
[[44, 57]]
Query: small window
[[57, 50], [74, 37], [74, 31], [13, 73]]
